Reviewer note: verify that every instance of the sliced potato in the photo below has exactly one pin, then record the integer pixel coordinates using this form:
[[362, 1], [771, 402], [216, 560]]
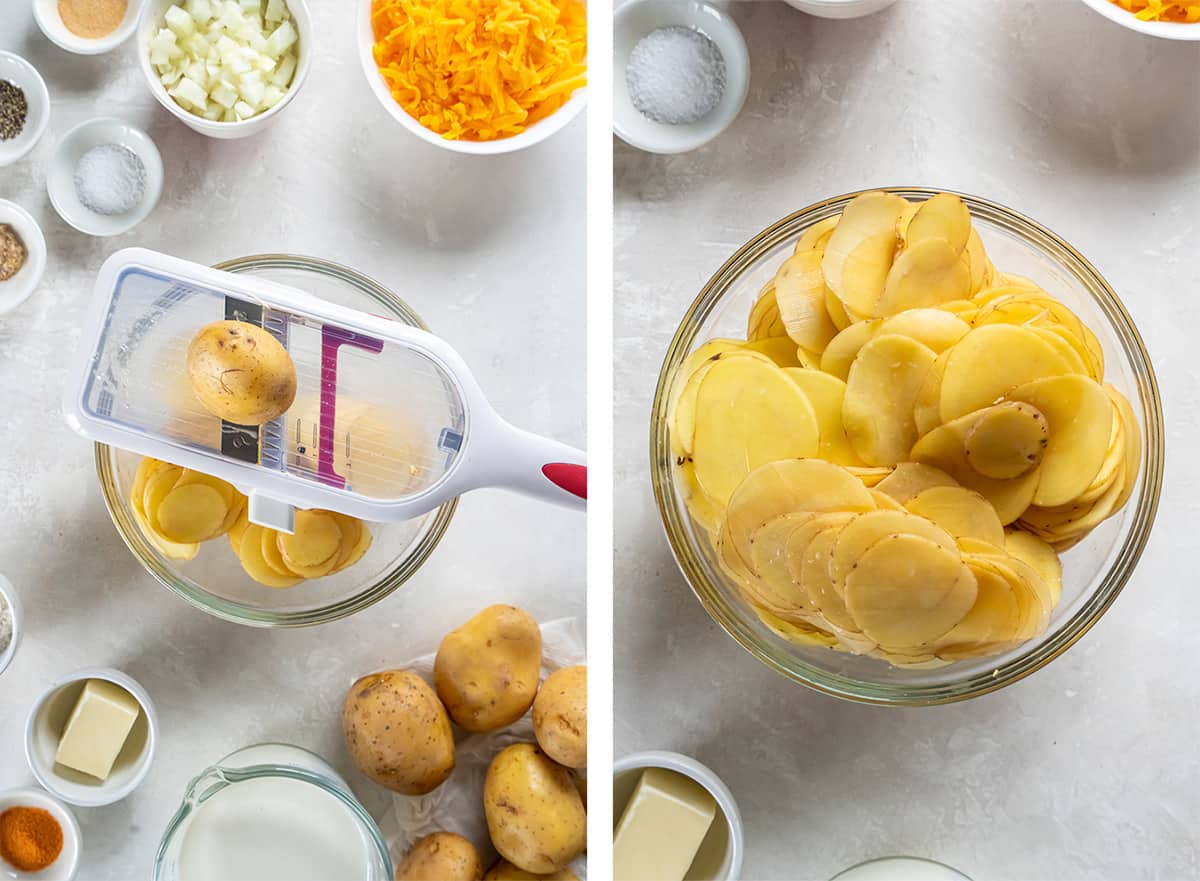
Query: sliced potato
[[171, 550], [313, 545], [860, 250], [817, 235], [844, 348], [925, 274], [814, 572], [1007, 440], [764, 321], [867, 529], [748, 414], [882, 387], [935, 328], [959, 511], [942, 217], [681, 409], [1043, 558], [191, 513], [911, 478], [994, 618], [826, 394], [781, 351], [927, 408], [800, 298], [272, 556], [250, 554]]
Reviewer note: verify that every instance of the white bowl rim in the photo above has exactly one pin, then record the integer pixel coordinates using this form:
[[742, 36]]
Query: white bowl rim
[[706, 777], [105, 794], [42, 98], [676, 143], [143, 145], [71, 828], [34, 239], [535, 134], [58, 34], [8, 592], [1169, 30], [245, 126]]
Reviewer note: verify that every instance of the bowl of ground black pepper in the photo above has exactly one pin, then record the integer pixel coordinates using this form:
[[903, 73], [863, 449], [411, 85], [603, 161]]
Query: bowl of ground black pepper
[[39, 837], [87, 27], [24, 107]]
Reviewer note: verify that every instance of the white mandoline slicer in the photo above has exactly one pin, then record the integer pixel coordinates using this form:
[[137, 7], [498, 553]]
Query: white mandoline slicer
[[388, 422]]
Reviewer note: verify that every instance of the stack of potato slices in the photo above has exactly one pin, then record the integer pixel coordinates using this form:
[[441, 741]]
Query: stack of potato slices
[[892, 460]]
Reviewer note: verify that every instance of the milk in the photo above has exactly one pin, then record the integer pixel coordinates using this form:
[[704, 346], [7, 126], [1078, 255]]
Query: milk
[[901, 869], [273, 829]]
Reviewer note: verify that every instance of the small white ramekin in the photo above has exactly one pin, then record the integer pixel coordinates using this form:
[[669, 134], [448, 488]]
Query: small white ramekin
[[152, 19], [721, 851], [1168, 30], [840, 8], [535, 134], [9, 594], [638, 18], [44, 727], [45, 12], [24, 76], [60, 176], [18, 289], [67, 863]]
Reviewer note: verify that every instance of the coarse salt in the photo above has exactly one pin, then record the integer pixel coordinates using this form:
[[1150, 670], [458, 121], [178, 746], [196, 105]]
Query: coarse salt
[[110, 179], [675, 75]]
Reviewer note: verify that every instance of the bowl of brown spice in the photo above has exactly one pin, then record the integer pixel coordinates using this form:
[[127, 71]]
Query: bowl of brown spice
[[24, 107], [22, 255], [39, 837], [87, 27]]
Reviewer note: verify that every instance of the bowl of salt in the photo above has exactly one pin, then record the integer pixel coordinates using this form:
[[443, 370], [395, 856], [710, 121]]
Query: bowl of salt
[[105, 177], [681, 73]]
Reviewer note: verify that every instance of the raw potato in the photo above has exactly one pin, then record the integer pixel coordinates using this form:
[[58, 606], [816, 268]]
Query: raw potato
[[560, 716], [486, 672], [881, 390], [441, 856], [503, 870], [397, 731], [241, 373], [534, 813]]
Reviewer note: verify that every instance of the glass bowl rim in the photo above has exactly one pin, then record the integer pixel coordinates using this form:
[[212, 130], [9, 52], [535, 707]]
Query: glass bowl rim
[[238, 613], [1113, 579]]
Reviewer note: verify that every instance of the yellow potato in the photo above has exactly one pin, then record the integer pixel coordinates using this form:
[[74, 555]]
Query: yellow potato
[[171, 550], [927, 408], [774, 421], [844, 348], [860, 250], [191, 513], [397, 732], [866, 530], [959, 511], [780, 350], [881, 390], [910, 478], [934, 328], [906, 591], [982, 271], [249, 551], [503, 870], [533, 810], [312, 548], [800, 297], [225, 490], [764, 321], [161, 482], [486, 671], [942, 217], [994, 618], [560, 716], [816, 236], [241, 373], [1007, 440], [1133, 444], [272, 556], [681, 410], [441, 856], [826, 394], [1039, 555], [924, 275], [814, 572]]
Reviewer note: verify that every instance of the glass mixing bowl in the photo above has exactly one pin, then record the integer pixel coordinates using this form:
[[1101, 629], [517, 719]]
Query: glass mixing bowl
[[1094, 571], [215, 581]]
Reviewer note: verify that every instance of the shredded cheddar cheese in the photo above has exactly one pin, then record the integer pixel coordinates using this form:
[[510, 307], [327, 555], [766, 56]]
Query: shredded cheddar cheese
[[1182, 11], [479, 70]]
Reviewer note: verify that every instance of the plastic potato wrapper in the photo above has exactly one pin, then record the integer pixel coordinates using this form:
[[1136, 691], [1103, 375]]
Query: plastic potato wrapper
[[457, 805]]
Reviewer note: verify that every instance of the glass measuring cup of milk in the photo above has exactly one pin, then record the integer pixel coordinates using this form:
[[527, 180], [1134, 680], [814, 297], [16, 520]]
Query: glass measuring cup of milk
[[271, 812]]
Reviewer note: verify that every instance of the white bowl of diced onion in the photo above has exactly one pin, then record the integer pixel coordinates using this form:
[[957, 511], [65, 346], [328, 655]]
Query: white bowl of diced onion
[[225, 68]]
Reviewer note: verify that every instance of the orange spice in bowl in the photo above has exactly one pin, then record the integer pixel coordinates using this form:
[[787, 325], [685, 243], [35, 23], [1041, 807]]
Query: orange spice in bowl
[[480, 70], [1178, 11], [30, 838], [92, 19]]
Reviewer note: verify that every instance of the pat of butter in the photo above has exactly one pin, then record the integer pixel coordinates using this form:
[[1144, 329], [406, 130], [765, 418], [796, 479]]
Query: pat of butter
[[97, 729], [662, 827]]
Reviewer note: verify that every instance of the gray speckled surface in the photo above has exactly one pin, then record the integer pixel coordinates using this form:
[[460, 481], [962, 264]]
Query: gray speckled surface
[[1089, 768], [489, 250]]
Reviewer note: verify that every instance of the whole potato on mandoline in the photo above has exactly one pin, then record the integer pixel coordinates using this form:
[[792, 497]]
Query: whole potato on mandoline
[[503, 870], [560, 716], [534, 813], [241, 373], [442, 856], [486, 672], [397, 732]]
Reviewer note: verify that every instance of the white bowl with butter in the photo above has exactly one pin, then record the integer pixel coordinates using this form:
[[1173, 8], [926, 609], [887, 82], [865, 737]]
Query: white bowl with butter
[[47, 724], [719, 855]]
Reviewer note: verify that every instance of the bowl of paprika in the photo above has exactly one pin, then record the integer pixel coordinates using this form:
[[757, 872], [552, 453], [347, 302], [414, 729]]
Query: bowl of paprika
[[39, 836]]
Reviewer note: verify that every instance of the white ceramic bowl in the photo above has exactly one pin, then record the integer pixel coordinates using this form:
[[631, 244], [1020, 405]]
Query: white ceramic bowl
[[17, 289], [720, 854], [1169, 30], [44, 727], [60, 176], [65, 866], [24, 76], [9, 594], [638, 18], [534, 134], [840, 8], [152, 19], [45, 12]]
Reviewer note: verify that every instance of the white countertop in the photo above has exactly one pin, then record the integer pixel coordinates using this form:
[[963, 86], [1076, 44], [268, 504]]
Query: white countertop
[[1089, 768], [490, 251]]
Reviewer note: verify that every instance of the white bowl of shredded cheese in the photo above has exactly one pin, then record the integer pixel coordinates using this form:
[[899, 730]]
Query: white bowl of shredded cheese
[[1170, 30], [681, 72]]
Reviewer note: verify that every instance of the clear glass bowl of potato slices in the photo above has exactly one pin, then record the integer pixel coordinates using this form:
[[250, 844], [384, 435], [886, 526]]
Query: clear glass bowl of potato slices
[[241, 572], [907, 446]]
